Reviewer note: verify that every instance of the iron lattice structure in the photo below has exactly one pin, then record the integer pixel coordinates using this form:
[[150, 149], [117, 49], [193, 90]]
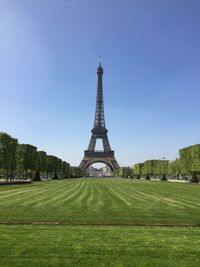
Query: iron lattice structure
[[99, 131]]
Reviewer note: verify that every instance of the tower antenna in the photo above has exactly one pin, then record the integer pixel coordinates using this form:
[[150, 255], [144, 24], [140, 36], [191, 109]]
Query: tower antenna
[[99, 60]]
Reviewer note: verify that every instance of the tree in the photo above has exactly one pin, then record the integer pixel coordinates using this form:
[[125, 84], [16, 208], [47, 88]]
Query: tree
[[195, 157], [76, 172], [8, 147], [185, 160], [41, 161], [40, 165], [138, 170], [26, 158], [53, 166], [174, 168], [65, 170], [127, 172], [149, 168], [162, 169], [50, 165], [56, 166], [68, 173], [190, 161], [118, 172], [59, 167]]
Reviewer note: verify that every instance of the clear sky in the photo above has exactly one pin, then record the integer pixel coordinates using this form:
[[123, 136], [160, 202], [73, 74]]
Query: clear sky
[[150, 52]]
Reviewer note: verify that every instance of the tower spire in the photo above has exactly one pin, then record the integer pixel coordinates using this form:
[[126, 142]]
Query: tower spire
[[99, 61], [99, 120]]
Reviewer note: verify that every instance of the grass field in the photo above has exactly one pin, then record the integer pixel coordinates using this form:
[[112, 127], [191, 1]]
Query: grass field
[[97, 221]]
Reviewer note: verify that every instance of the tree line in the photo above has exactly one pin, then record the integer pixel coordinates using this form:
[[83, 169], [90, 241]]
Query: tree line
[[24, 161], [187, 166]]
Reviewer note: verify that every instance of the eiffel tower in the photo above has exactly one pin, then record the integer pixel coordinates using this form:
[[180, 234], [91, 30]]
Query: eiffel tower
[[99, 131]]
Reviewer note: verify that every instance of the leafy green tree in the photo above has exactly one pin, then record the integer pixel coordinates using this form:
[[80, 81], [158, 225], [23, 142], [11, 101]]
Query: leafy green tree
[[174, 168], [8, 147], [56, 166], [190, 161], [49, 166], [40, 165], [195, 157], [65, 170], [59, 167], [41, 161], [138, 170], [162, 169], [13, 159], [52, 166], [118, 173], [153, 165], [149, 168], [26, 158], [68, 171], [145, 170], [127, 172], [76, 172], [185, 160]]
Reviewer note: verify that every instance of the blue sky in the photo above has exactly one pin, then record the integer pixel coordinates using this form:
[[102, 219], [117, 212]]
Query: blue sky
[[151, 58]]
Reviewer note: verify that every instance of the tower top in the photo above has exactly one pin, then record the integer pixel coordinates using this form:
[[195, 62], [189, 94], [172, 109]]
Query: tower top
[[100, 61], [100, 69]]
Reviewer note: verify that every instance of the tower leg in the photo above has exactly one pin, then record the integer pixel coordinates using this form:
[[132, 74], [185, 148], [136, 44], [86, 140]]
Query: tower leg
[[106, 144], [92, 143]]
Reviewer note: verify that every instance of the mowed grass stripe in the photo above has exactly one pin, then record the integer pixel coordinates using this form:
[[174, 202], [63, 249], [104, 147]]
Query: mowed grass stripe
[[61, 196], [130, 194], [82, 195], [73, 194], [65, 194], [167, 197], [118, 197], [91, 196], [178, 192], [31, 197], [18, 191], [104, 201]]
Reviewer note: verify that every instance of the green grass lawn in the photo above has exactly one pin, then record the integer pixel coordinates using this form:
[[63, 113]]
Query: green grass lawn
[[106, 207], [102, 201], [47, 245]]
